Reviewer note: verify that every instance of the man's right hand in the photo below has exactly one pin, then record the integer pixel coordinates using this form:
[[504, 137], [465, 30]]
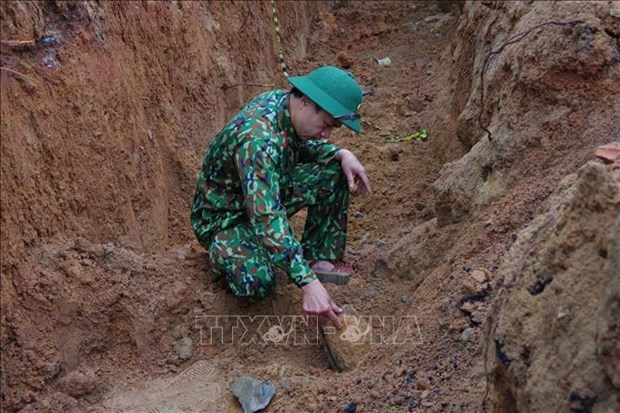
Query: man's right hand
[[316, 301]]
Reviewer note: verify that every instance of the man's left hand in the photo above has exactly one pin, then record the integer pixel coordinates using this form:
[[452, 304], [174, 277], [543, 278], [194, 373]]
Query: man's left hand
[[354, 171]]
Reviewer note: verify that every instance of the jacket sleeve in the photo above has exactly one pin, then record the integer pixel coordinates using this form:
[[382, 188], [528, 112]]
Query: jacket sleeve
[[256, 162], [317, 150]]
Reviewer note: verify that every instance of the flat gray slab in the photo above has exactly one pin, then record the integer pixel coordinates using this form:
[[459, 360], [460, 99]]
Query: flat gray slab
[[254, 395]]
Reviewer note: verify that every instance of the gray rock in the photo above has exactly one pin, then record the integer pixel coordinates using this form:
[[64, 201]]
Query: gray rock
[[466, 334], [185, 348], [253, 395], [368, 91], [432, 19]]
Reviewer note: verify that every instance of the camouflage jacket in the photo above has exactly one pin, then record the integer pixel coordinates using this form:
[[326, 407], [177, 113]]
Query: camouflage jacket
[[246, 170]]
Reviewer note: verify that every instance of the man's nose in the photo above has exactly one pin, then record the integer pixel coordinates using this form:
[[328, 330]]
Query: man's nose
[[326, 132]]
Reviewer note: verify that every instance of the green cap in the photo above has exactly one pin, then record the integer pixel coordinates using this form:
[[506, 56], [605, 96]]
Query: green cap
[[335, 91]]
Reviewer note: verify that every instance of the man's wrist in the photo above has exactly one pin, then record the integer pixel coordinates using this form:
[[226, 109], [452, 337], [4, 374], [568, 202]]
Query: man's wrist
[[309, 279], [310, 285], [341, 152]]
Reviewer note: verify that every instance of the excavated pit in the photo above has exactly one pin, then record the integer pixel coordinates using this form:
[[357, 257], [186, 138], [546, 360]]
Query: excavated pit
[[476, 256]]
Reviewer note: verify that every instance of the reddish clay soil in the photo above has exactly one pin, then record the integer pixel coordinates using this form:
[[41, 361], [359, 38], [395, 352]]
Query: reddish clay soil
[[107, 302]]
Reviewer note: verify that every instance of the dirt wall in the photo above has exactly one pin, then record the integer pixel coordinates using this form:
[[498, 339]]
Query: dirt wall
[[553, 343], [549, 98], [106, 109], [141, 84]]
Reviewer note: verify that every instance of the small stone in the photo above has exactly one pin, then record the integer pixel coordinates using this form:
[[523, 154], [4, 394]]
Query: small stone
[[380, 243], [469, 286], [185, 348], [368, 91], [79, 383], [479, 275], [466, 334], [351, 408], [253, 395], [405, 299], [425, 394], [468, 307], [432, 19]]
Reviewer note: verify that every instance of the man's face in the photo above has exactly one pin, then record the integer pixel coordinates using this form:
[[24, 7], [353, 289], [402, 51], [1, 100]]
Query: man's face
[[315, 123]]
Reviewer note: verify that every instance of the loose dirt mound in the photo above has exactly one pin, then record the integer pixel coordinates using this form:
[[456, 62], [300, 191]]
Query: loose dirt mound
[[106, 299]]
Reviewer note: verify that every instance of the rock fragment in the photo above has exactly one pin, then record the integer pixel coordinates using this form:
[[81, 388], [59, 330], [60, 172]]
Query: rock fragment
[[466, 335], [347, 348], [253, 395], [184, 348], [79, 383]]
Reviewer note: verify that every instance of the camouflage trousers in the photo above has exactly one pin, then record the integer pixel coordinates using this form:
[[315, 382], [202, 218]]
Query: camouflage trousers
[[235, 253]]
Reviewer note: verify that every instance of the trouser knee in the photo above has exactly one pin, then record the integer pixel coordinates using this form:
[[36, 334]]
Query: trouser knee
[[247, 270]]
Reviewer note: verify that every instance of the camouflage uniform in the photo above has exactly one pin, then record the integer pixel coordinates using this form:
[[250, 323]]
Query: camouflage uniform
[[255, 174]]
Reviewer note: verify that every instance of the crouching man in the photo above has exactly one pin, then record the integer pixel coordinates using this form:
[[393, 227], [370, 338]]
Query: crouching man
[[269, 161]]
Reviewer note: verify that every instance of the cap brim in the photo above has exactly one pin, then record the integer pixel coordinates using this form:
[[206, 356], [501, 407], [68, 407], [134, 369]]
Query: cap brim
[[331, 106]]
